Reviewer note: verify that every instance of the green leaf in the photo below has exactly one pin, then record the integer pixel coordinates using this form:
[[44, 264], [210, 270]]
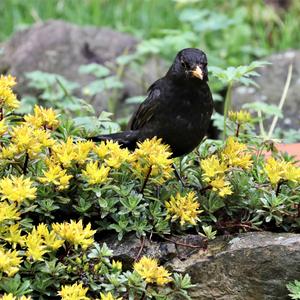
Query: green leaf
[[15, 285], [94, 69], [268, 109]]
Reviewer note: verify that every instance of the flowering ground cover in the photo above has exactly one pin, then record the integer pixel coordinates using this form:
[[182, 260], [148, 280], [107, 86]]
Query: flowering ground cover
[[60, 192]]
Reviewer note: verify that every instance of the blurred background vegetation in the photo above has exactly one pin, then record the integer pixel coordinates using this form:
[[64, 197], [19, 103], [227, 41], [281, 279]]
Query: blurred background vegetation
[[232, 33], [237, 31]]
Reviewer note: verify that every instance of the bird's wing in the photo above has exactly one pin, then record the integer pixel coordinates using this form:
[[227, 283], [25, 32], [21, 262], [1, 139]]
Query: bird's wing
[[147, 109]]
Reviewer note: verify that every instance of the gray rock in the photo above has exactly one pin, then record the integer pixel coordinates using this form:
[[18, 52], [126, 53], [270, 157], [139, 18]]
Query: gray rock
[[251, 266], [271, 84], [131, 248], [60, 47]]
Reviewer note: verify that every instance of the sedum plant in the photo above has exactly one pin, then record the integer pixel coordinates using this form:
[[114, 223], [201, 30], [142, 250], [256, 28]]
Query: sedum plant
[[61, 193]]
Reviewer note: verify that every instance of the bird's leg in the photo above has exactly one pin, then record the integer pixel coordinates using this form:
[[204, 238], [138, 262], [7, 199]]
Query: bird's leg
[[177, 175], [146, 179]]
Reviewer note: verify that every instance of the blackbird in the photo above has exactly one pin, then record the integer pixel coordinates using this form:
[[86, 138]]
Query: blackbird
[[177, 109]]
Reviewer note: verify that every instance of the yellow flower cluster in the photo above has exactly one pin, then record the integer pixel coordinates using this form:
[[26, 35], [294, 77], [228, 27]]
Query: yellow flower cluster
[[3, 127], [41, 241], [8, 212], [76, 291], [154, 156], [116, 265], [234, 155], [55, 175], [17, 189], [75, 234], [151, 272], [108, 296], [95, 175], [185, 208], [27, 139], [9, 262], [82, 151], [12, 234], [43, 118], [10, 296], [73, 292], [240, 117], [8, 99], [112, 154], [278, 170]]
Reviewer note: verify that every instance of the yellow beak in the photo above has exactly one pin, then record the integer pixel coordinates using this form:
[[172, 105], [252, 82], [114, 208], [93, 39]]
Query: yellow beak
[[198, 73]]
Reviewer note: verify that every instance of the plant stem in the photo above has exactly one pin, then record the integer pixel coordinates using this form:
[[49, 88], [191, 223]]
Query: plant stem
[[237, 130], [25, 164], [227, 106], [146, 179], [278, 188], [282, 100], [143, 239], [261, 125]]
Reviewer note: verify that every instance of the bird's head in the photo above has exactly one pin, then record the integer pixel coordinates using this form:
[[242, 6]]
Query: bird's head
[[190, 63]]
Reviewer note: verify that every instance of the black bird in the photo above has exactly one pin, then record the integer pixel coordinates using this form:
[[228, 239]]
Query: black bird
[[177, 109]]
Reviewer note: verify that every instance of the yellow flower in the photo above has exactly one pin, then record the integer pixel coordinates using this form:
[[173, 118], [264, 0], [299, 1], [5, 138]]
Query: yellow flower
[[155, 156], [108, 296], [82, 150], [149, 270], [50, 238], [73, 292], [185, 208], [26, 138], [118, 157], [9, 152], [75, 234], [95, 175], [3, 127], [36, 247], [274, 170], [9, 262], [236, 154], [239, 117], [56, 175], [280, 169], [17, 189], [7, 81], [292, 172], [65, 152], [103, 148], [116, 265], [8, 99], [212, 167], [8, 211], [10, 296], [25, 298], [221, 186], [41, 241], [44, 137], [113, 155], [43, 117], [13, 235]]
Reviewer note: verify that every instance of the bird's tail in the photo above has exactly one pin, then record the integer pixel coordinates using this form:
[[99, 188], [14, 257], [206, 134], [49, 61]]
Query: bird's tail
[[126, 139]]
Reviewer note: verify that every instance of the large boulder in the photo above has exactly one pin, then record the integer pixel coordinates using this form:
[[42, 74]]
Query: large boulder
[[271, 84], [251, 266], [60, 47], [247, 266]]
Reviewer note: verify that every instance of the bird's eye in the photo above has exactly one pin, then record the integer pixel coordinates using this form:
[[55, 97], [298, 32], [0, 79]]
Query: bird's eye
[[185, 64]]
